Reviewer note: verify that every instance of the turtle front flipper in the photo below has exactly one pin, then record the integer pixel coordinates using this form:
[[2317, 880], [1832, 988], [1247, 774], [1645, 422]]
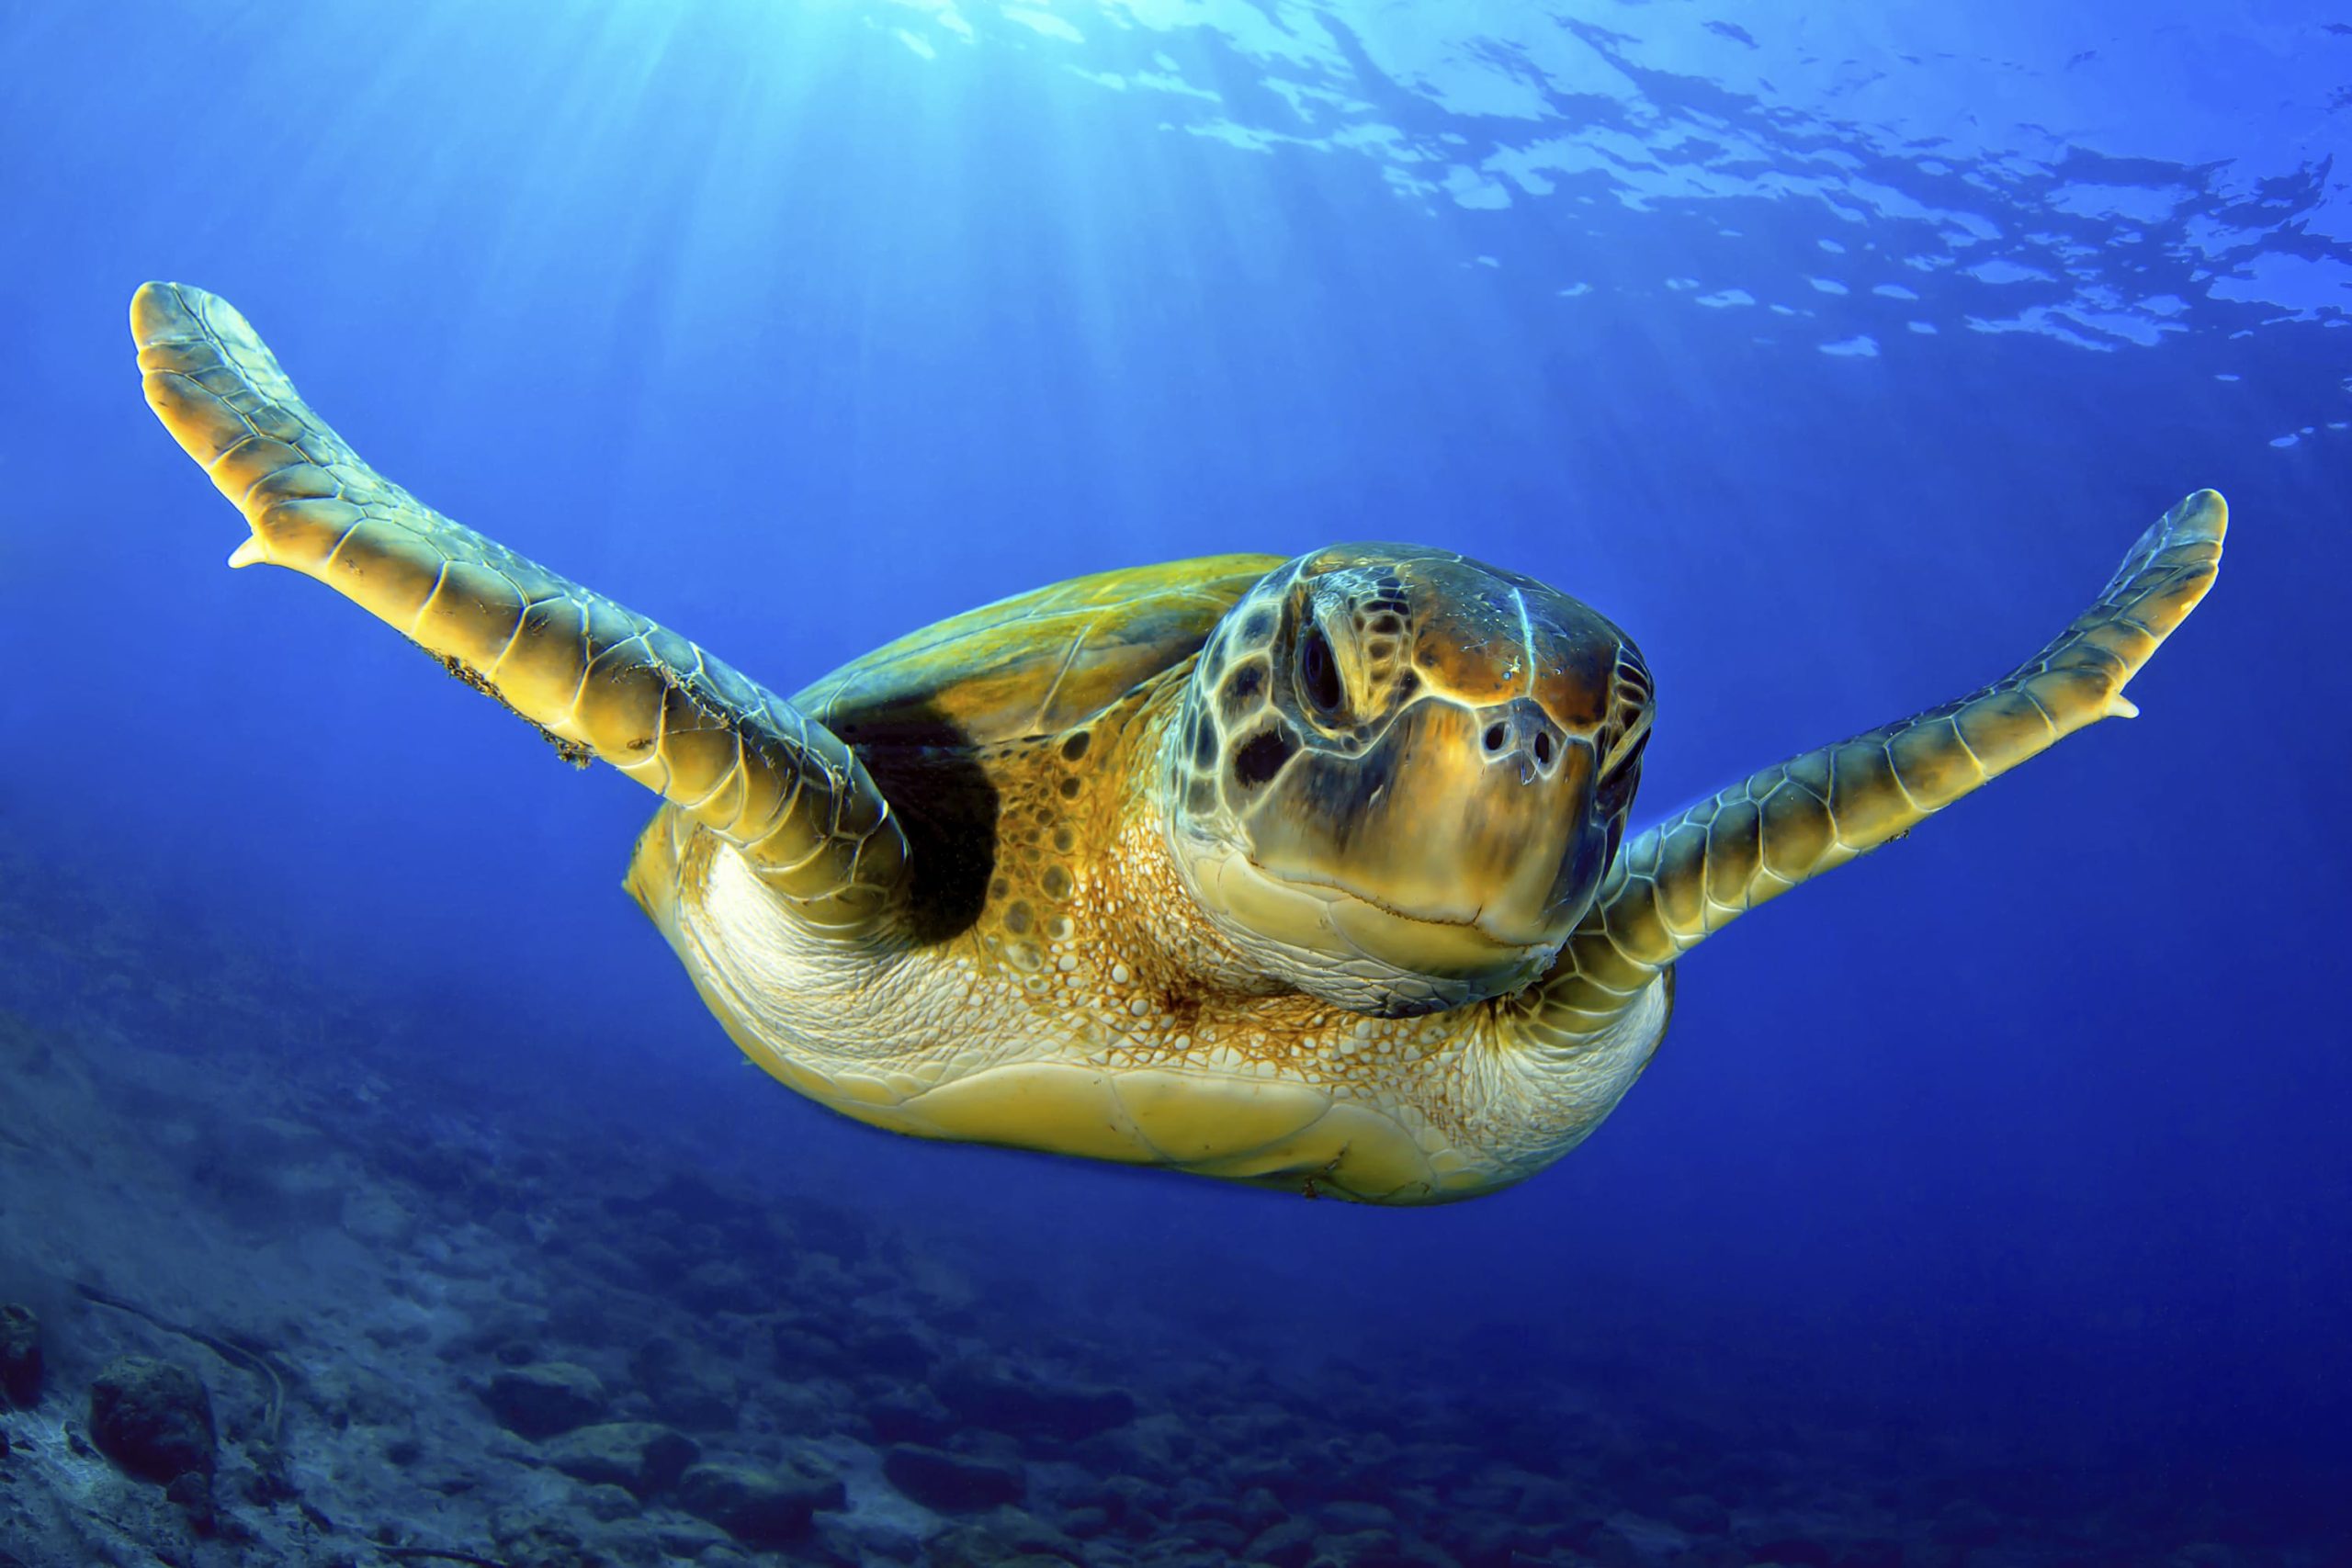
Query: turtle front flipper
[[1687, 878], [596, 678]]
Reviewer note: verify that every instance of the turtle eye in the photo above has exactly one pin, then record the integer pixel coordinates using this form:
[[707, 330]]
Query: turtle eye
[[1319, 675], [1621, 776]]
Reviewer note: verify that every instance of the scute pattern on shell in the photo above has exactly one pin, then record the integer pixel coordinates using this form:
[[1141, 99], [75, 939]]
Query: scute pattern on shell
[[1036, 664]]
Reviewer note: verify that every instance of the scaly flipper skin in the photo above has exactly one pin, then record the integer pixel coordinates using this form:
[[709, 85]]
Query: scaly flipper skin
[[599, 679], [1689, 876]]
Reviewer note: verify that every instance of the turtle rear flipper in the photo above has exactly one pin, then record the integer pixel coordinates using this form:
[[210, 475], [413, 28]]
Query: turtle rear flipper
[[1680, 882], [595, 677]]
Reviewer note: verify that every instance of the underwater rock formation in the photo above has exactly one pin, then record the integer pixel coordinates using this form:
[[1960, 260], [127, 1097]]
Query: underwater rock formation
[[993, 1395], [641, 1456], [761, 1507], [20, 1364], [543, 1398], [952, 1481], [154, 1419]]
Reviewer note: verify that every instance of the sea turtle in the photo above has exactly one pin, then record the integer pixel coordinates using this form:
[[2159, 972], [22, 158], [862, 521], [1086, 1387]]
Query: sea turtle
[[1305, 873]]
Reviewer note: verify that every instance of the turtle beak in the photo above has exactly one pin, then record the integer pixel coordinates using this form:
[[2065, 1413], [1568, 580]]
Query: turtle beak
[[1476, 820]]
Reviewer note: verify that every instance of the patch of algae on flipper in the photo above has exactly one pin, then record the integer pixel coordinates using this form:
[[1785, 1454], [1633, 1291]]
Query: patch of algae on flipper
[[572, 751]]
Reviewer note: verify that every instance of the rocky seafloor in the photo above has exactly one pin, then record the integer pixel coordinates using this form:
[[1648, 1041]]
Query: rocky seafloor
[[267, 1302]]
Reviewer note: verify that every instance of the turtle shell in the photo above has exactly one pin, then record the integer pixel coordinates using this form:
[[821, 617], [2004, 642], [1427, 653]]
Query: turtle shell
[[1035, 664]]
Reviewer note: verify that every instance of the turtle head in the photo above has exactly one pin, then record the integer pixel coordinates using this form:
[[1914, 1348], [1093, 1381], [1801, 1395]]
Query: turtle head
[[1399, 774]]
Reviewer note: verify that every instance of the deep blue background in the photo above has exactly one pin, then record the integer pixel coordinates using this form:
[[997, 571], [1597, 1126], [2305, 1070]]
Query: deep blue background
[[796, 336]]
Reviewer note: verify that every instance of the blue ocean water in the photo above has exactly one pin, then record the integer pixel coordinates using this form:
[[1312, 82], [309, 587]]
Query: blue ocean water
[[1837, 356]]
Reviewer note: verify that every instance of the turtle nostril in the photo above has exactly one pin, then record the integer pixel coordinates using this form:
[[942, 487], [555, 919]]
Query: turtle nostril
[[1543, 750], [1494, 737]]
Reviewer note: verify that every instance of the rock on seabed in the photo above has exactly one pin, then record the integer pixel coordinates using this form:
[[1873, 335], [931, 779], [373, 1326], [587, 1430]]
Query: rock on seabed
[[152, 1418], [20, 1365], [643, 1456], [543, 1398], [761, 1508], [953, 1482]]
